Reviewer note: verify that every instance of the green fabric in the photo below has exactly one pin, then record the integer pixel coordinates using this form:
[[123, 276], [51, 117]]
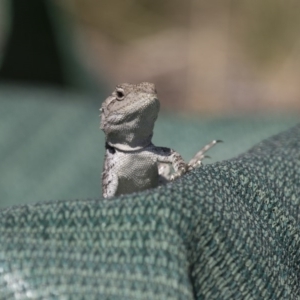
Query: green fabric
[[229, 230], [52, 148]]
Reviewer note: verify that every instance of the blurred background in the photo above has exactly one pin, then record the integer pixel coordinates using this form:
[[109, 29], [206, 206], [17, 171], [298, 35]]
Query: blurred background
[[211, 57], [224, 69]]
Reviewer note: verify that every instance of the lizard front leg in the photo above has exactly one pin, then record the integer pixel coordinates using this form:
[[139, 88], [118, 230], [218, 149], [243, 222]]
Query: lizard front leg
[[109, 185], [109, 177], [166, 155]]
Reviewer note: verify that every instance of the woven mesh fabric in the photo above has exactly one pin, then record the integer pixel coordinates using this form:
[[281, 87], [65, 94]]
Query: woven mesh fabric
[[229, 230]]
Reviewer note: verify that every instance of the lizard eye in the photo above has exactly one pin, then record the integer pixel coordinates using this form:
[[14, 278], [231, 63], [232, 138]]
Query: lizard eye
[[120, 95]]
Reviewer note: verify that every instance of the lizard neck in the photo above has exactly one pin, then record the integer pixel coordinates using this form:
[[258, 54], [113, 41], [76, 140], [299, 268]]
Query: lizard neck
[[130, 147]]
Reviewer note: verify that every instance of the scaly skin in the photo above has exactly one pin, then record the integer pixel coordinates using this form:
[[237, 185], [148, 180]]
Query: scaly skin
[[132, 162]]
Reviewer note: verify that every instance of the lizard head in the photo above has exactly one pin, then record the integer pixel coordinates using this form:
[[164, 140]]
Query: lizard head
[[129, 114]]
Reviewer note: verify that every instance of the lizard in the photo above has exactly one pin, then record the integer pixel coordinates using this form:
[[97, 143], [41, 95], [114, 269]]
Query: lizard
[[132, 163]]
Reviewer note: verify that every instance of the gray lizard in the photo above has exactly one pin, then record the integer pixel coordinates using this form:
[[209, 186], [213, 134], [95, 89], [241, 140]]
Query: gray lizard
[[132, 163]]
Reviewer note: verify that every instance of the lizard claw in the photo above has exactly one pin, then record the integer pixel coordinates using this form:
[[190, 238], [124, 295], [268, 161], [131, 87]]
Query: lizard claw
[[197, 160], [180, 172]]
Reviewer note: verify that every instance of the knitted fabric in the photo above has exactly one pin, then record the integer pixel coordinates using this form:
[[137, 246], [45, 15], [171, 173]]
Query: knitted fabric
[[229, 230]]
